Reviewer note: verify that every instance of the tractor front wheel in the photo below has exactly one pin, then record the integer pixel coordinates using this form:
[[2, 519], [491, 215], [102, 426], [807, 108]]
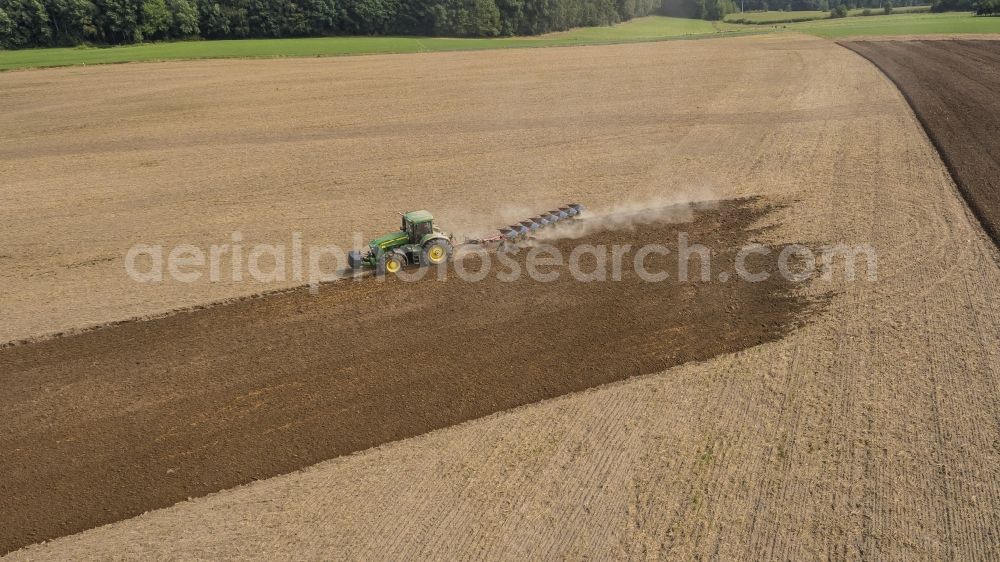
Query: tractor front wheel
[[436, 252], [391, 262]]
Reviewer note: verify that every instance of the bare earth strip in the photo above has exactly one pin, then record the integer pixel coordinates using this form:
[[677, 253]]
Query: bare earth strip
[[205, 400], [952, 86], [872, 431]]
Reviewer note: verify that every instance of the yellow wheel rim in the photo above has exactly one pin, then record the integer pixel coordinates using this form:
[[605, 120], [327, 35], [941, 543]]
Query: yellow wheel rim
[[436, 254], [392, 266]]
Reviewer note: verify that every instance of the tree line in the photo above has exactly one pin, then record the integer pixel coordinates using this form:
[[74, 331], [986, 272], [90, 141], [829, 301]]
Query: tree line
[[45, 23], [981, 7], [718, 9]]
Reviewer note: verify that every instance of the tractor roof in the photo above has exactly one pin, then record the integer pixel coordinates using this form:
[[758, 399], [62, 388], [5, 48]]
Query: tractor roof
[[418, 216]]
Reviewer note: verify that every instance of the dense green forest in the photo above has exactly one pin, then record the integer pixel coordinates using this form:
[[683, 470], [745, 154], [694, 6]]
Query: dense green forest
[[34, 23], [46, 23]]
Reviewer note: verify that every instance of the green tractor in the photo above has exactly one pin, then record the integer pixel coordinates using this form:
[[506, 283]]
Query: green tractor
[[417, 242]]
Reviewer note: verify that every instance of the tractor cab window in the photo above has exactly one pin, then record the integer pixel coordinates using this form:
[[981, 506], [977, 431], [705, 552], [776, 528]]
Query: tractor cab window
[[418, 231]]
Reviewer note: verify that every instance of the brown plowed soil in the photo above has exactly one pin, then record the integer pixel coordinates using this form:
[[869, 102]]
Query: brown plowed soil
[[111, 423], [954, 88]]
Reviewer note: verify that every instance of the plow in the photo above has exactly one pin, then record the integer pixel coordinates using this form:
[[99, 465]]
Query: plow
[[419, 242]]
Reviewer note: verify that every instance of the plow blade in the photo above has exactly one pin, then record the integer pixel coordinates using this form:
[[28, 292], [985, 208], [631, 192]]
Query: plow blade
[[530, 226]]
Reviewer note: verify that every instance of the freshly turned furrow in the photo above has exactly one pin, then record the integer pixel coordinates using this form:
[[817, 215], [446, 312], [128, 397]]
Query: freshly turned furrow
[[272, 404]]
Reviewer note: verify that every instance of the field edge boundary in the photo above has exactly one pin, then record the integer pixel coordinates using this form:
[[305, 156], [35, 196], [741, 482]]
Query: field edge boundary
[[687, 37], [963, 190]]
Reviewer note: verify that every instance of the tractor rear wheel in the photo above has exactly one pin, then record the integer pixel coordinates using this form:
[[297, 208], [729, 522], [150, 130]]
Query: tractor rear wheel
[[436, 252]]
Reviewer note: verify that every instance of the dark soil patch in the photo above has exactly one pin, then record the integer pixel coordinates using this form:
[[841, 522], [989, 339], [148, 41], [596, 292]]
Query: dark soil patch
[[104, 425], [954, 88]]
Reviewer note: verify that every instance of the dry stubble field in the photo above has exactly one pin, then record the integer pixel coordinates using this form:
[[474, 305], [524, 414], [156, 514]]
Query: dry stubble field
[[871, 430]]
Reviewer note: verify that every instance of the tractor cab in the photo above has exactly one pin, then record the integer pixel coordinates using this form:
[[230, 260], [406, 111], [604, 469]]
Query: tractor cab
[[417, 224]]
